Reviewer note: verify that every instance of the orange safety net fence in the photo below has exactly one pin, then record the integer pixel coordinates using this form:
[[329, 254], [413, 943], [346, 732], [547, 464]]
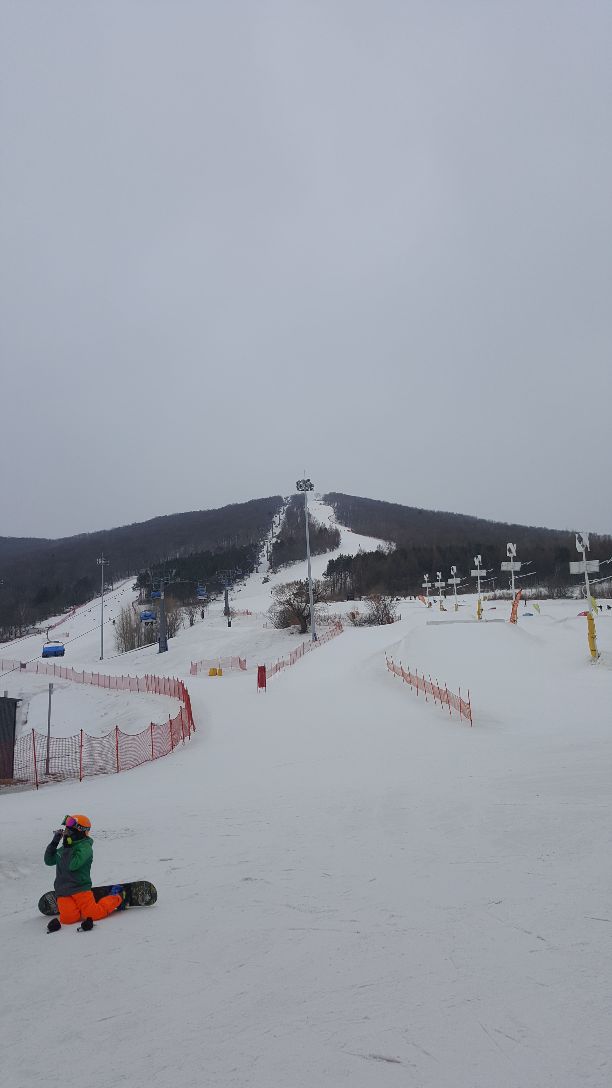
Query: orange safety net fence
[[439, 693]]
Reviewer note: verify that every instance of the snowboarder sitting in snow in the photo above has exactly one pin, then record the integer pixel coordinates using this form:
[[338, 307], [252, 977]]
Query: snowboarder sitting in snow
[[75, 899]]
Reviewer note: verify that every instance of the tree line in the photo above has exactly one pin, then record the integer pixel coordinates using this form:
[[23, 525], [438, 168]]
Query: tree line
[[213, 569], [425, 541]]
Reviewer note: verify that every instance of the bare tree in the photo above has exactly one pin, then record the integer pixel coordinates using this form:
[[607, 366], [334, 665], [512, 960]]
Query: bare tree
[[174, 617], [291, 604], [380, 610], [130, 633]]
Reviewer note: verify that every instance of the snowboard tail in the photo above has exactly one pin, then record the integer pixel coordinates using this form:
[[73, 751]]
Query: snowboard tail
[[138, 893]]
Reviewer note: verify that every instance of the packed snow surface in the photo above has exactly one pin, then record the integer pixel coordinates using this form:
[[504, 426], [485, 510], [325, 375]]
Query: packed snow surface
[[354, 887]]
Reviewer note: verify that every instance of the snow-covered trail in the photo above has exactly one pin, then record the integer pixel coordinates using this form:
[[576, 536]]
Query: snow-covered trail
[[352, 886]]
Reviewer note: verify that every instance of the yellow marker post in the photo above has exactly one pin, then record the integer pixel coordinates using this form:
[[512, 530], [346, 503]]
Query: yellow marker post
[[587, 566], [592, 634]]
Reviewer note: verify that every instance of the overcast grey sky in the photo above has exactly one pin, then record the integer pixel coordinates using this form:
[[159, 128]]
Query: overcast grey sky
[[372, 240]]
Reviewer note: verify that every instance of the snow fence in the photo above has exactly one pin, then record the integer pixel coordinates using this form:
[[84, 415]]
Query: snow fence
[[304, 648], [217, 663], [439, 694], [81, 755]]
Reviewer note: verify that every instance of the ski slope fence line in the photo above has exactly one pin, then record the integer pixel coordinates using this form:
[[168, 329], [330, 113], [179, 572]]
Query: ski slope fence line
[[440, 694], [59, 622], [217, 663], [304, 648], [81, 755]]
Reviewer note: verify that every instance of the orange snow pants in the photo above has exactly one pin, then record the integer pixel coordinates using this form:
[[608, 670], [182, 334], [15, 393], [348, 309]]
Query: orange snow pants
[[83, 905]]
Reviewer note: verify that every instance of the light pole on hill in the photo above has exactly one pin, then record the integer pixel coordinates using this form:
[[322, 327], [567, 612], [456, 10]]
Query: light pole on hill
[[163, 636], [306, 486], [101, 561]]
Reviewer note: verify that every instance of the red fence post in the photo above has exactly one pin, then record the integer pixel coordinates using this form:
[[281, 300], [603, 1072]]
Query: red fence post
[[117, 746], [81, 758], [171, 737], [152, 756]]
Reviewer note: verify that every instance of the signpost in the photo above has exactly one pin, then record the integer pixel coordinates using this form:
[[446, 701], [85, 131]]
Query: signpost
[[480, 572], [440, 586], [426, 586], [454, 582], [512, 564], [587, 566]]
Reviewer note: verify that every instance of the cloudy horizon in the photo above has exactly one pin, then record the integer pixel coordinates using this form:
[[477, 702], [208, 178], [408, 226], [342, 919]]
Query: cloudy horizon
[[244, 241]]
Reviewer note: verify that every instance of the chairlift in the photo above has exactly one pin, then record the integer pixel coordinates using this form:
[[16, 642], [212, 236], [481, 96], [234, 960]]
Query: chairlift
[[53, 649]]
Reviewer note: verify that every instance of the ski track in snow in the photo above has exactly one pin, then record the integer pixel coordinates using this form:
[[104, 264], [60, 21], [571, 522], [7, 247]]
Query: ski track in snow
[[354, 888]]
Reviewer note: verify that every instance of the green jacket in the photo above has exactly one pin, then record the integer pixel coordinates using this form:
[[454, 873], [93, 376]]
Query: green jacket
[[73, 865]]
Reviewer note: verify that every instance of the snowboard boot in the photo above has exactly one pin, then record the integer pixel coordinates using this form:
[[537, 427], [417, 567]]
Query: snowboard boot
[[85, 925], [118, 889], [54, 925]]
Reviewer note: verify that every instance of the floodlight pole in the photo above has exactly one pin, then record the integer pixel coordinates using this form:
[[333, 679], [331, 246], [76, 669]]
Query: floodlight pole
[[101, 561], [48, 730], [306, 486], [163, 637]]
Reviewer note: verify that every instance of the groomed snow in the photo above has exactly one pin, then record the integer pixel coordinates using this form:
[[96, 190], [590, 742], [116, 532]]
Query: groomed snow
[[95, 711], [354, 888]]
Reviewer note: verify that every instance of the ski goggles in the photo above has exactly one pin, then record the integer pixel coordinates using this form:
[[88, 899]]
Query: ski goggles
[[72, 824]]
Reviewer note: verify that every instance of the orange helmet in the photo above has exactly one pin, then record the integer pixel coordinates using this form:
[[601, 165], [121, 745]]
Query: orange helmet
[[79, 822]]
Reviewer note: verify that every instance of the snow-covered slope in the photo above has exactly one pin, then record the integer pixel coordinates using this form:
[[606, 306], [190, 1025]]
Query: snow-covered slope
[[353, 887]]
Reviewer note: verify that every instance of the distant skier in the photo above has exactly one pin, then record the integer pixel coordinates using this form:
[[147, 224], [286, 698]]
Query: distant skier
[[73, 859]]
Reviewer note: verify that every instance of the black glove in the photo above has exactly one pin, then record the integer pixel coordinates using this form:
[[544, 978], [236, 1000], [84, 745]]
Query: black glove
[[58, 834]]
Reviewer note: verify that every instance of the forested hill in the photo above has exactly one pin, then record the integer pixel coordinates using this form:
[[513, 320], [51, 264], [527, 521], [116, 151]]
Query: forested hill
[[43, 577], [404, 525], [430, 540]]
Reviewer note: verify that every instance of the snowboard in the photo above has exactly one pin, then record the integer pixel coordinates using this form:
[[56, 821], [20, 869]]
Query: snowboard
[[139, 893]]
